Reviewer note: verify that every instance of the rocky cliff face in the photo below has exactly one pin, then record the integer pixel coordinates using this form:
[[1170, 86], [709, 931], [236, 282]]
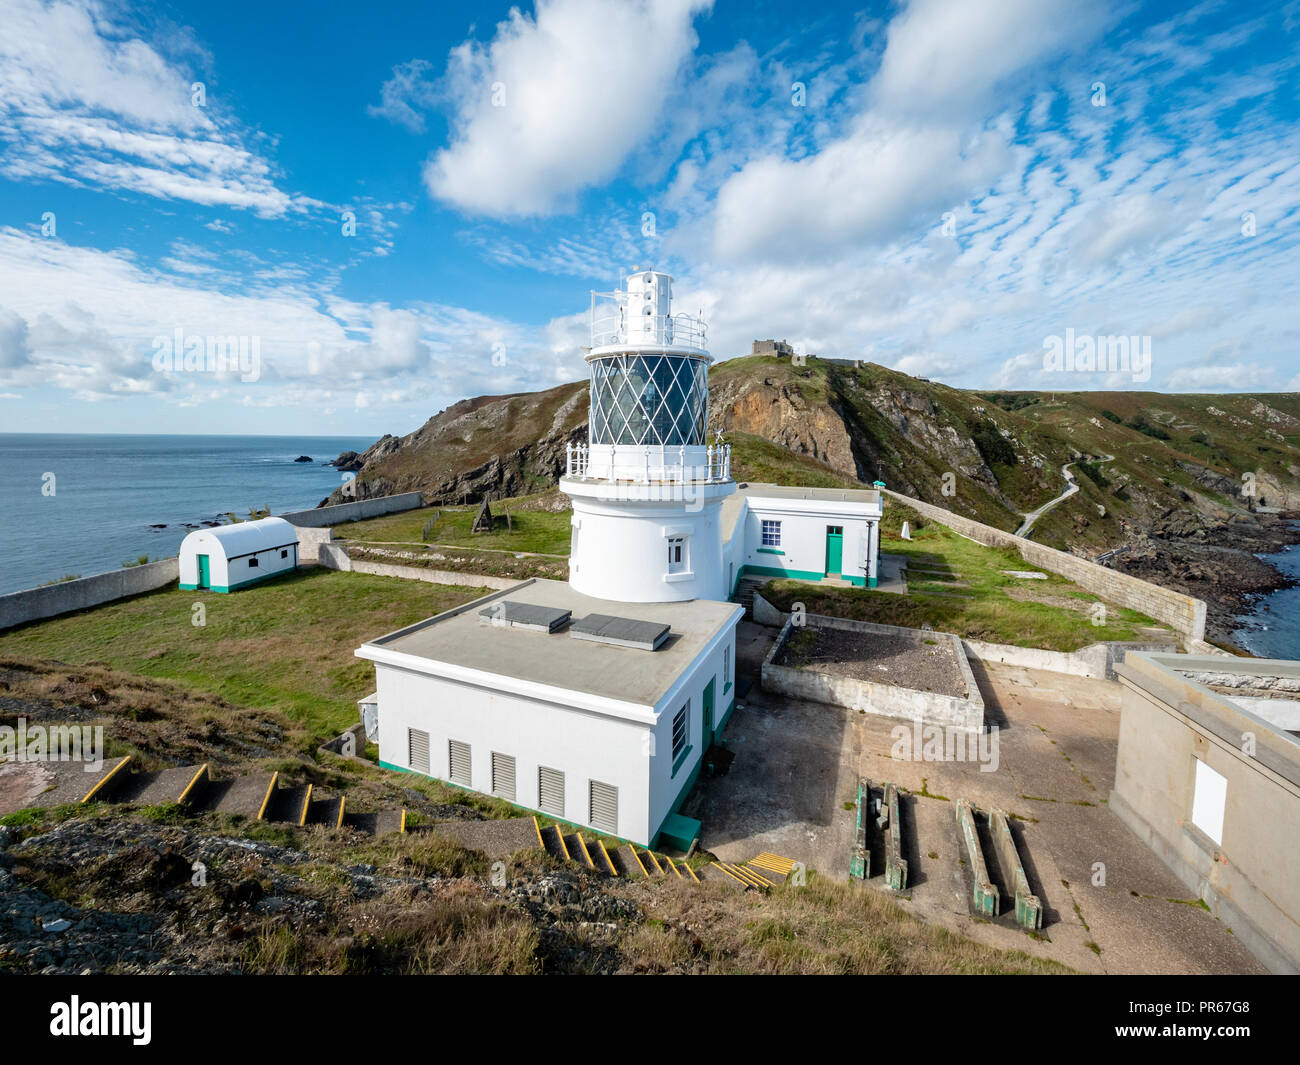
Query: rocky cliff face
[[990, 456], [480, 448]]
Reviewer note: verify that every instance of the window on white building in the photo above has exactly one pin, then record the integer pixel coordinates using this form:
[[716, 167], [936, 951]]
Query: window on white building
[[681, 730], [678, 558], [771, 533]]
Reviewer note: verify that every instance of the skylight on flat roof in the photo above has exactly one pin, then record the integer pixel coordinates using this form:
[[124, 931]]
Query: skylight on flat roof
[[623, 632], [524, 615]]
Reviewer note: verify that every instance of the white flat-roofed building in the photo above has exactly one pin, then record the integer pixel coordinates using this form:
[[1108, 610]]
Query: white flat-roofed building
[[555, 722], [807, 534]]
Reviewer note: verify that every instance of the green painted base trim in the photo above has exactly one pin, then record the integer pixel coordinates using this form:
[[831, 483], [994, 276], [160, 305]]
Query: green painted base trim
[[726, 716], [258, 579], [857, 582], [871, 582], [222, 589], [775, 571], [770, 551], [681, 758], [682, 792], [680, 831]]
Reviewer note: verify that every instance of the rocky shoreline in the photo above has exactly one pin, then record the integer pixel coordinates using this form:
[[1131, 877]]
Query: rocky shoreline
[[1219, 564]]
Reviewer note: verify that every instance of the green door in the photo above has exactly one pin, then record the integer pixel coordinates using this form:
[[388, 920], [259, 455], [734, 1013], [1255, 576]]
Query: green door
[[708, 713], [834, 550], [205, 581]]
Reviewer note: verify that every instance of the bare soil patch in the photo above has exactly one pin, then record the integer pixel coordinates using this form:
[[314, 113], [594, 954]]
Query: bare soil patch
[[929, 665]]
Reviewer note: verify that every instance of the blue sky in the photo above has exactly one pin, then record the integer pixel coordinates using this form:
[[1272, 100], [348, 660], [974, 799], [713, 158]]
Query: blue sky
[[938, 185]]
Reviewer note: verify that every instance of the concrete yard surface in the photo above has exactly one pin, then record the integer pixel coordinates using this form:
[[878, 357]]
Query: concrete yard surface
[[1110, 905]]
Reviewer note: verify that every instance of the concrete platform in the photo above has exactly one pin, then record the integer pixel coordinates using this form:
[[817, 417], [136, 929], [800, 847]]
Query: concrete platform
[[792, 790]]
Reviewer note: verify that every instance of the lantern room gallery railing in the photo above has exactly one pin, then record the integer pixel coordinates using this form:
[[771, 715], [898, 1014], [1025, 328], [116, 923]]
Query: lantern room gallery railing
[[649, 465]]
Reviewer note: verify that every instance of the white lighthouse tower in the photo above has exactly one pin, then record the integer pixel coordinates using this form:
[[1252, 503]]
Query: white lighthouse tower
[[647, 489]]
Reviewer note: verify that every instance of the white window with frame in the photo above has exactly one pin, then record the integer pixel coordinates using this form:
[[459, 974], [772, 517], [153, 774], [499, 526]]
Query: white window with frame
[[604, 807], [771, 533], [503, 776], [550, 791], [458, 757], [1209, 798], [681, 730], [678, 555], [417, 750]]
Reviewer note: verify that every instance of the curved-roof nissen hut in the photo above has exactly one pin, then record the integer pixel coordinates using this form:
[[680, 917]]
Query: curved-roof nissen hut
[[235, 556]]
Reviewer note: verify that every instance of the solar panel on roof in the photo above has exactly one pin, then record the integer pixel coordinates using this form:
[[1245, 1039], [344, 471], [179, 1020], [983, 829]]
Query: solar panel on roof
[[623, 632], [524, 615]]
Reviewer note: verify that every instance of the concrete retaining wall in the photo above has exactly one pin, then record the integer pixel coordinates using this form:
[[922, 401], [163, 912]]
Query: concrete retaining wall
[[18, 608], [873, 697], [335, 556], [309, 541], [1183, 613], [361, 509], [1096, 660]]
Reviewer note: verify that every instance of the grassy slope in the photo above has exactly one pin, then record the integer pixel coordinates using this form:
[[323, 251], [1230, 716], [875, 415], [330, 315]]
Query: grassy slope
[[283, 646], [1052, 613], [533, 530]]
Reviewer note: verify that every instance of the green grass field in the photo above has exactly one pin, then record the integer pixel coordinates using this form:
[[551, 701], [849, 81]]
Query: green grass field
[[944, 569], [284, 645], [541, 531]]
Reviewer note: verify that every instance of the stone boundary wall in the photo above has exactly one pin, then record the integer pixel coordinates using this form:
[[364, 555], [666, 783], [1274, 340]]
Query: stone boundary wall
[[33, 604], [875, 697], [335, 556], [358, 511], [1183, 613]]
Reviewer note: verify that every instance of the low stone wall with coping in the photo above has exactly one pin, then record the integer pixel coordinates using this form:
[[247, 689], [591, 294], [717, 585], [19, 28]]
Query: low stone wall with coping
[[871, 696], [33, 604], [358, 511], [1184, 614]]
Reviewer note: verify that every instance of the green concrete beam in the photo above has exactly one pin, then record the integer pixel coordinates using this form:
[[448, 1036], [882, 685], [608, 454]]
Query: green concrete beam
[[985, 897]]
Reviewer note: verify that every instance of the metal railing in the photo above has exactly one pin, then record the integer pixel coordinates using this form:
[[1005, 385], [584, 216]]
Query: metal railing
[[645, 465], [613, 323]]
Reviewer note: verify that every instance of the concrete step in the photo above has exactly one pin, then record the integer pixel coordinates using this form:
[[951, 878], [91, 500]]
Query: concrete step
[[289, 805], [736, 875], [577, 848], [653, 865], [246, 796], [713, 873], [671, 869], [179, 784], [383, 823], [553, 843], [773, 867], [628, 863], [601, 856], [325, 809]]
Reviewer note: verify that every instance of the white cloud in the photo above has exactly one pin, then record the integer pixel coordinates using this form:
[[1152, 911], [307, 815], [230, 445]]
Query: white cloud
[[407, 95], [84, 101], [14, 346], [944, 56], [583, 83]]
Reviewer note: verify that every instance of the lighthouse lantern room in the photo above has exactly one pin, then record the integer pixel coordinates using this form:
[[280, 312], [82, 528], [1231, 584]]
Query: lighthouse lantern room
[[647, 488]]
